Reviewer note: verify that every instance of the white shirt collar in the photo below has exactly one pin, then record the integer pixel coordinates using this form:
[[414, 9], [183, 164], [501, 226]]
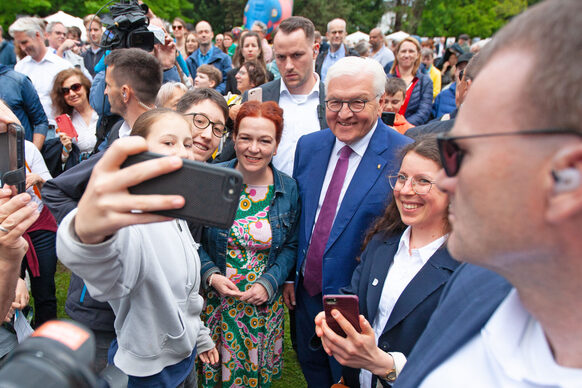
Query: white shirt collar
[[302, 98], [424, 252]]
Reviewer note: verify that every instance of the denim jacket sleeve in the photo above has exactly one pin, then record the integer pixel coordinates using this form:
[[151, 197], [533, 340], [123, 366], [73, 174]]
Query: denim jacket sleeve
[[208, 266], [284, 262], [34, 109]]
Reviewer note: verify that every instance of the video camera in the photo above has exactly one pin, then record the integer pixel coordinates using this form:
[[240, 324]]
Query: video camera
[[59, 354], [127, 26]]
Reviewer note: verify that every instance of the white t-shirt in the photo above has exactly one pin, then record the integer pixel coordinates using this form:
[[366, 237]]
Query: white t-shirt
[[510, 351]]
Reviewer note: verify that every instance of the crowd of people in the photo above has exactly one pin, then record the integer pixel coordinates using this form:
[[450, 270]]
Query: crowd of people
[[440, 187]]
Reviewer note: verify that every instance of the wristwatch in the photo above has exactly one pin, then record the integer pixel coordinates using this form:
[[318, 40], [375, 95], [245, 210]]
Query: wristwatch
[[389, 376]]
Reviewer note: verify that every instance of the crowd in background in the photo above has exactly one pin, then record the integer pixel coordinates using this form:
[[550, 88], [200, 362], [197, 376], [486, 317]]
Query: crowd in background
[[341, 148]]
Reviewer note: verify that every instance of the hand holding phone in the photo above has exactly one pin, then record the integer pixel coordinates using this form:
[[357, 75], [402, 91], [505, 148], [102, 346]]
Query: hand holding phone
[[348, 306], [65, 125], [107, 206], [12, 158]]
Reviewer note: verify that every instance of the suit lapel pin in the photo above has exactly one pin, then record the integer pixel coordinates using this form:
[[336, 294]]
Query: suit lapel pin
[[379, 166], [375, 282]]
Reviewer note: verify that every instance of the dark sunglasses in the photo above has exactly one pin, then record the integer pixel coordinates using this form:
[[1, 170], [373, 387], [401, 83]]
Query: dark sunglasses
[[179, 27], [74, 87], [452, 154]]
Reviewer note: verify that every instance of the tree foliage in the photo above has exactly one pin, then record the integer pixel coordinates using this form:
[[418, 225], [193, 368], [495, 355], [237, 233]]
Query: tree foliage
[[474, 17]]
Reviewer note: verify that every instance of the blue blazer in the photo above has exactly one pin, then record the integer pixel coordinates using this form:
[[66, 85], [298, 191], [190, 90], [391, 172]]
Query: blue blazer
[[420, 104], [365, 199], [415, 305], [468, 301]]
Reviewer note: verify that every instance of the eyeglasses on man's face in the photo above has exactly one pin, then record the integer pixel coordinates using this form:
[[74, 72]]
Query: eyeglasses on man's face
[[201, 121], [355, 106], [452, 154], [421, 185]]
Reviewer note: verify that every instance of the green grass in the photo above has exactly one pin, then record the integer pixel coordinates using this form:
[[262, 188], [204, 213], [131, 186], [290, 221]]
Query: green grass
[[292, 376]]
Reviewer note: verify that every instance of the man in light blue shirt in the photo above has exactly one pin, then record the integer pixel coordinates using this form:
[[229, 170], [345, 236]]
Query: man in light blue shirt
[[336, 33]]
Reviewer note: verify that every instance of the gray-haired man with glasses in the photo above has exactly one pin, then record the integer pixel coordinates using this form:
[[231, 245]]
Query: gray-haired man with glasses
[[341, 174]]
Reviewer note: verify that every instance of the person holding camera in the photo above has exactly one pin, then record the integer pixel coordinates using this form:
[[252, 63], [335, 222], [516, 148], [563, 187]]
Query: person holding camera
[[244, 268], [145, 266]]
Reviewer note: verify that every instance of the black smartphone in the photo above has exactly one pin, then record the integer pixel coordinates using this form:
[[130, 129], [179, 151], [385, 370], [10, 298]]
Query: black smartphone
[[12, 158], [388, 118], [348, 306], [212, 193]]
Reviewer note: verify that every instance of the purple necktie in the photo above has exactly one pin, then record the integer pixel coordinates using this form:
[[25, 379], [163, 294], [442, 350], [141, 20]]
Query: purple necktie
[[314, 258]]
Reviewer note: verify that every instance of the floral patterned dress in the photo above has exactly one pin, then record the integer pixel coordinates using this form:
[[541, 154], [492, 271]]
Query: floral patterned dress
[[250, 337]]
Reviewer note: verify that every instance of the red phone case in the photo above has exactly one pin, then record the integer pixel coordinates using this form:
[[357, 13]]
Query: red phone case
[[347, 305], [66, 126]]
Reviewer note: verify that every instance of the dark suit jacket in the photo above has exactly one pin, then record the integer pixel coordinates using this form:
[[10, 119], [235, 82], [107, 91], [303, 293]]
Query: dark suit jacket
[[272, 92], [469, 299], [415, 305], [364, 200]]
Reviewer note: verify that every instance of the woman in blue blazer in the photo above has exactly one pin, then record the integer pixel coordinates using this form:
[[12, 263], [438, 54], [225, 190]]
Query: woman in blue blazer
[[403, 269]]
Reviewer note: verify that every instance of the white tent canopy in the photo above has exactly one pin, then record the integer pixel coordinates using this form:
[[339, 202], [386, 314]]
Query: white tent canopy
[[397, 36], [354, 38], [68, 21]]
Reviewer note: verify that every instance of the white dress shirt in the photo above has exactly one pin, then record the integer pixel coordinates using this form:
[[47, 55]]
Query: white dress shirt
[[406, 264], [42, 75], [510, 351], [124, 130], [87, 137], [299, 118], [359, 149]]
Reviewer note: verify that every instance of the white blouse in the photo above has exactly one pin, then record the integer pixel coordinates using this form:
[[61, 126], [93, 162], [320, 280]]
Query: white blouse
[[87, 133]]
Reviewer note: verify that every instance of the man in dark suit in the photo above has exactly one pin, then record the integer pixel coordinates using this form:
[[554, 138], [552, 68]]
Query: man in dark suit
[[514, 175], [299, 91], [342, 177]]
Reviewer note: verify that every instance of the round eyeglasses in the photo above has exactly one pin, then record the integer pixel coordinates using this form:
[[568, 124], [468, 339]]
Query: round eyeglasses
[[354, 105], [420, 184], [201, 121]]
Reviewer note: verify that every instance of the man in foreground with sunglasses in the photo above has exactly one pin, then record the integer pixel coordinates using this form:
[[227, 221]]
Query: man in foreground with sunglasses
[[511, 316]]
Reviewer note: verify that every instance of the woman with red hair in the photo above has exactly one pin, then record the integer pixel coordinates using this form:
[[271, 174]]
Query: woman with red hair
[[244, 268]]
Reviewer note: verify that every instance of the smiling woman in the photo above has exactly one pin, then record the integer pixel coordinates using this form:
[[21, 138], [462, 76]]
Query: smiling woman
[[244, 268], [402, 272], [70, 96]]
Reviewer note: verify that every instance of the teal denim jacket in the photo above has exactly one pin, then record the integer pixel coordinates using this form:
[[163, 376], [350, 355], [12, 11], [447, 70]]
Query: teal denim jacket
[[284, 214]]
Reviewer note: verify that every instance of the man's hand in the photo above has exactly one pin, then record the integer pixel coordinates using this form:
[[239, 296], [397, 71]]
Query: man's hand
[[107, 206], [17, 214], [6, 117], [166, 53], [67, 45], [289, 295], [256, 295], [225, 286]]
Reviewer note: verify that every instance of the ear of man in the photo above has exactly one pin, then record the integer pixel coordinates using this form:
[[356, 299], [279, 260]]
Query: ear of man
[[565, 190]]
